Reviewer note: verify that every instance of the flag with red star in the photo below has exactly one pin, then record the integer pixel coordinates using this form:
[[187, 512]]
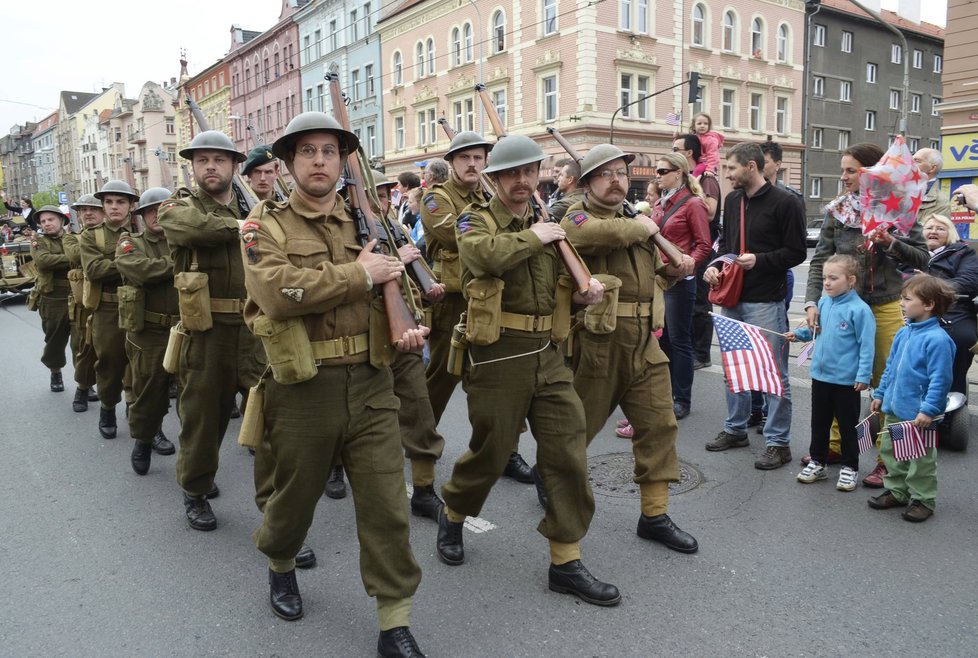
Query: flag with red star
[[892, 190]]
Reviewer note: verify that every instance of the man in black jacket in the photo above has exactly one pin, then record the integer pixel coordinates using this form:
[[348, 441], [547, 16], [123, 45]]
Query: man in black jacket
[[774, 241]]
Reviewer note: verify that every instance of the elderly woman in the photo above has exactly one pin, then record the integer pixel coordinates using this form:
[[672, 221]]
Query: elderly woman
[[683, 220], [955, 262]]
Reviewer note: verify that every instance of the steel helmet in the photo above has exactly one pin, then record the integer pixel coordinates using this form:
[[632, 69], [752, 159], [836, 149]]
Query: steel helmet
[[152, 197], [602, 154], [381, 180], [117, 187], [53, 209], [212, 140], [308, 122], [465, 140], [86, 200], [514, 151]]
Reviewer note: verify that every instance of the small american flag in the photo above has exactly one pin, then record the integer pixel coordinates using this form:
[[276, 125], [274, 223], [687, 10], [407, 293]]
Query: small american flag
[[748, 361], [864, 434], [908, 441], [673, 118]]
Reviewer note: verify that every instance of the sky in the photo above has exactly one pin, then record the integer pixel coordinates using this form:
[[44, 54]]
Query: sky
[[66, 45]]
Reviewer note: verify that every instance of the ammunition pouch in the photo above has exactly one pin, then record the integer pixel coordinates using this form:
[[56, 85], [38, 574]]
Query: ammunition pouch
[[91, 294], [287, 347], [485, 310], [132, 308], [195, 301], [76, 280], [602, 318]]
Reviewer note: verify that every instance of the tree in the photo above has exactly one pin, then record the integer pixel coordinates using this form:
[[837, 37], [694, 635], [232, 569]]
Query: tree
[[48, 198]]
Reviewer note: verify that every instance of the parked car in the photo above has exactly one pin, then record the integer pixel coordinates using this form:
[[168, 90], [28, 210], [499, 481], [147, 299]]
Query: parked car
[[813, 231]]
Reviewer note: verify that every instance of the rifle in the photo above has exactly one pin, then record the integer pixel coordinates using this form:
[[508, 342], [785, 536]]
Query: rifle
[[671, 251], [187, 182], [487, 185], [572, 260], [417, 269], [399, 317], [165, 172], [246, 198]]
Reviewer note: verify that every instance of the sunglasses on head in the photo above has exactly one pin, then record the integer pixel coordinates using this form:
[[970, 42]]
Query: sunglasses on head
[[663, 172]]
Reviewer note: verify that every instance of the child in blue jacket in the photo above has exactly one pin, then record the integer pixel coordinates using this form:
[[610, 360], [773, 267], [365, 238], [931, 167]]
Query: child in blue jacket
[[914, 387], [842, 366]]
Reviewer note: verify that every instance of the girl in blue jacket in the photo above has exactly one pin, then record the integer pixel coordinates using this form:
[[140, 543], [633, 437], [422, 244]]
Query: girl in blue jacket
[[842, 366], [914, 387]]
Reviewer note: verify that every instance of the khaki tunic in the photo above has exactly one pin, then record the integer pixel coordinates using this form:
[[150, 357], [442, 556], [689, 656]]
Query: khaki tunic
[[347, 411], [81, 330], [51, 259], [626, 367], [535, 385]]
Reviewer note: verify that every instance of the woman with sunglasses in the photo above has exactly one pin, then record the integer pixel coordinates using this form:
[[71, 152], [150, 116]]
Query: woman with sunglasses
[[682, 217]]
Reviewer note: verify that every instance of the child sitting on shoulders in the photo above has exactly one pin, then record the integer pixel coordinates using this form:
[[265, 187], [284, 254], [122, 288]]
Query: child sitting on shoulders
[[710, 143], [842, 366], [914, 388]]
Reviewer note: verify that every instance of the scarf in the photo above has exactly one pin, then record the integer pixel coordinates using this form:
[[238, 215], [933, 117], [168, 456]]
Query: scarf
[[846, 209]]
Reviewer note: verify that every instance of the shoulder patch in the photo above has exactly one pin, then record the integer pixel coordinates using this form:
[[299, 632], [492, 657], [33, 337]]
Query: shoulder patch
[[431, 202], [33, 244], [125, 243], [464, 223], [249, 239], [578, 217], [295, 294]]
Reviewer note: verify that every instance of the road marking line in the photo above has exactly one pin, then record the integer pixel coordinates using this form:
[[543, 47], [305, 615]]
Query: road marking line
[[475, 524]]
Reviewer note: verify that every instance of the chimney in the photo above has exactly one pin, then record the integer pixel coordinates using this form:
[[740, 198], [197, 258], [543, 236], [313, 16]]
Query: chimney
[[910, 10]]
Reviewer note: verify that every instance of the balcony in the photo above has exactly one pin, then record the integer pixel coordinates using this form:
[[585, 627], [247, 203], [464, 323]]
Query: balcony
[[139, 165], [137, 137]]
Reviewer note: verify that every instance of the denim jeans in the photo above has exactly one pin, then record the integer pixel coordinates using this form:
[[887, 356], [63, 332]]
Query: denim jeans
[[678, 338], [777, 429]]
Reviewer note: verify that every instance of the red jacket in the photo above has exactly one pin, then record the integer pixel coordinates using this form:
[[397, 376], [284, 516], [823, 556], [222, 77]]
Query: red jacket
[[688, 228]]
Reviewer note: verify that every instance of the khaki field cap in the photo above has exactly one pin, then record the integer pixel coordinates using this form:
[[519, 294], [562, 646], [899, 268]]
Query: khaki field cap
[[212, 140], [514, 151]]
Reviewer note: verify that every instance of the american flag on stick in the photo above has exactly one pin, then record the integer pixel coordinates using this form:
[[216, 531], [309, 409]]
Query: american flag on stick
[[864, 434], [909, 441], [748, 361], [673, 118]]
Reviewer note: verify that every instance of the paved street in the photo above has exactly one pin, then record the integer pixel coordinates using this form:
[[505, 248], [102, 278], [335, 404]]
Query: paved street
[[100, 562]]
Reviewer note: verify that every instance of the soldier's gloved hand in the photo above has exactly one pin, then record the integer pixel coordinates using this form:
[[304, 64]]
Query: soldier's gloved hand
[[409, 253], [437, 293], [381, 268], [595, 291], [412, 339], [548, 232]]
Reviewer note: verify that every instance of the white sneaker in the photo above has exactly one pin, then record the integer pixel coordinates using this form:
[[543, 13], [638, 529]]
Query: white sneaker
[[812, 472], [847, 479]]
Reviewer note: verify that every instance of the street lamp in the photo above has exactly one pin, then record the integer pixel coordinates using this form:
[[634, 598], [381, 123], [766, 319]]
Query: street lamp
[[693, 82], [905, 95]]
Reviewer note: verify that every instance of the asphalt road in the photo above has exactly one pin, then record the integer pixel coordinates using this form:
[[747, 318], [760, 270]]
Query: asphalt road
[[98, 561]]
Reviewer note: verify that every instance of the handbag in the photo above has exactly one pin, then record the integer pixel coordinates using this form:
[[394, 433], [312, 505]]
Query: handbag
[[726, 292]]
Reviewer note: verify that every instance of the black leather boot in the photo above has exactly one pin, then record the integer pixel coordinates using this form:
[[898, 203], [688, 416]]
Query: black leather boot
[[518, 469], [57, 383], [574, 578], [398, 643], [80, 403], [141, 455], [284, 595], [335, 486], [92, 395], [661, 529], [305, 558], [200, 516], [449, 545], [162, 445], [425, 502], [106, 423]]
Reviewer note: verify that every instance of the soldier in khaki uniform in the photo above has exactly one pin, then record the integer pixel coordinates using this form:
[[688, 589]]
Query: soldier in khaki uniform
[[304, 266], [49, 251], [440, 208], [90, 215], [97, 247], [261, 170], [145, 264], [620, 362], [518, 373], [201, 229]]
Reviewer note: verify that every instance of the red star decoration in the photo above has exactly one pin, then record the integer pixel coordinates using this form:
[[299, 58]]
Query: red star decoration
[[915, 175], [915, 202], [892, 204]]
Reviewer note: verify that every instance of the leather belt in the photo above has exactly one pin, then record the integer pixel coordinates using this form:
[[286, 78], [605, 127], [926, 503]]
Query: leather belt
[[526, 322], [323, 350], [634, 309], [109, 297], [226, 305], [161, 318]]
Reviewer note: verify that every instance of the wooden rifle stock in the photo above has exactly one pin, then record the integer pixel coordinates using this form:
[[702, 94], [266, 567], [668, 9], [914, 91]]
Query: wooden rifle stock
[[671, 251], [247, 198], [399, 317], [573, 262]]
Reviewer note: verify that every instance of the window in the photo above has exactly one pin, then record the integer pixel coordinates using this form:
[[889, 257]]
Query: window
[[817, 134], [309, 100], [355, 83], [643, 91], [398, 133], [499, 102], [782, 43], [371, 141], [894, 99], [170, 127], [467, 39], [870, 72], [935, 144], [934, 102], [699, 25], [549, 16], [278, 65], [816, 190], [456, 47], [781, 115], [729, 32], [354, 26], [419, 60], [818, 85], [757, 38], [498, 32], [333, 39], [845, 91], [727, 104], [457, 115], [634, 87], [918, 59], [915, 103], [625, 14], [844, 139], [398, 68], [818, 35], [550, 98], [318, 44], [469, 114], [870, 120], [914, 144], [846, 41], [756, 111], [896, 53], [626, 95], [426, 127], [321, 92], [642, 17], [431, 56], [938, 63], [278, 114], [366, 26]]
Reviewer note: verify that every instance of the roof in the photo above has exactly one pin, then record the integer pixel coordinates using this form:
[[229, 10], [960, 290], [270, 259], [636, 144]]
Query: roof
[[76, 100], [104, 116], [891, 17], [403, 6], [47, 123]]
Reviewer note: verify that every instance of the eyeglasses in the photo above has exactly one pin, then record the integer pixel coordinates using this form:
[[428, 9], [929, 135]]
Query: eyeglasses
[[608, 174], [309, 151], [663, 172]]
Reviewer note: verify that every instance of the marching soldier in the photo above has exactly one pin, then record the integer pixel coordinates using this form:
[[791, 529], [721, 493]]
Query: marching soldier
[[90, 215], [49, 251], [146, 267], [617, 356], [97, 247], [514, 372], [307, 274], [219, 357], [440, 208], [261, 169]]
